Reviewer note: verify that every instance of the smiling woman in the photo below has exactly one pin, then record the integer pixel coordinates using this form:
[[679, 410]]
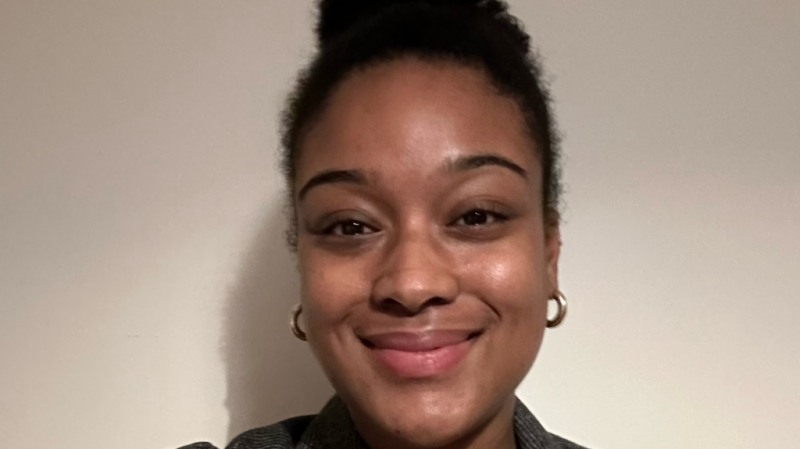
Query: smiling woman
[[422, 165], [435, 263]]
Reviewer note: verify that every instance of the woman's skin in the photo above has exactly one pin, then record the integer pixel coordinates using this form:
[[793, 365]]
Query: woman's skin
[[425, 260]]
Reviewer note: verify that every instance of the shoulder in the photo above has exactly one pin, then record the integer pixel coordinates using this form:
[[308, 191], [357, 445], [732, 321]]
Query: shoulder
[[556, 442], [532, 435], [283, 435]]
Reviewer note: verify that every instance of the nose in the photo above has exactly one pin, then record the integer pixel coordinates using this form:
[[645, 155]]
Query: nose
[[417, 273]]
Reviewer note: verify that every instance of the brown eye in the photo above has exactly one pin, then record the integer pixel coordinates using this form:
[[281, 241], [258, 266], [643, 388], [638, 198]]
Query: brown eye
[[475, 217], [349, 228], [480, 217]]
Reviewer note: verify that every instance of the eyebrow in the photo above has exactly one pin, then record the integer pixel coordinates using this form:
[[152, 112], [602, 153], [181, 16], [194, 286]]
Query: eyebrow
[[332, 177], [460, 164], [465, 163]]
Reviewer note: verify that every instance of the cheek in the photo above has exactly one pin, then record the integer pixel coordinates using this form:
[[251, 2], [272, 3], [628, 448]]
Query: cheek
[[331, 289], [509, 276], [512, 281]]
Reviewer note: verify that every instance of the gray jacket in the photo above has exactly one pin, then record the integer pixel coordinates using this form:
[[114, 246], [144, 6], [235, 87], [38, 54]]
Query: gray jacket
[[333, 429]]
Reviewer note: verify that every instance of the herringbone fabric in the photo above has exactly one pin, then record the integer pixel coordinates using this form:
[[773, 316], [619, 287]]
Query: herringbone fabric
[[332, 428]]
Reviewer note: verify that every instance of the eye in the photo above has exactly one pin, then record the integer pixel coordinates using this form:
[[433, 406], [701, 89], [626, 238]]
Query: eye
[[480, 217], [348, 228]]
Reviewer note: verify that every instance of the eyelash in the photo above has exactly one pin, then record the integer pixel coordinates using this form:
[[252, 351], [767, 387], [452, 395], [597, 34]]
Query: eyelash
[[330, 229], [491, 213]]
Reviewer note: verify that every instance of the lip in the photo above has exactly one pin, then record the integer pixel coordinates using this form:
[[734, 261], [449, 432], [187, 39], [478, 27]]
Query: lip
[[422, 354]]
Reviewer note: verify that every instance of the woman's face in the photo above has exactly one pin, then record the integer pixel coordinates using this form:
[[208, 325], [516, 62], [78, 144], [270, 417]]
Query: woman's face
[[426, 266]]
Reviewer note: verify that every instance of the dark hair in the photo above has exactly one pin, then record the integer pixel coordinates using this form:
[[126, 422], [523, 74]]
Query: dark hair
[[353, 34]]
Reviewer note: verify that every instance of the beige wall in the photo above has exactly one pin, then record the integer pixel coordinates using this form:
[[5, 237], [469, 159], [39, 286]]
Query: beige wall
[[144, 287]]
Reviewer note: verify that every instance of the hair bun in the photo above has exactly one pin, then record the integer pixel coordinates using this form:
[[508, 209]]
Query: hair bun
[[338, 16]]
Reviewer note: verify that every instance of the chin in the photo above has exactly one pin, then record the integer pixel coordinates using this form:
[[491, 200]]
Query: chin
[[425, 430], [423, 417]]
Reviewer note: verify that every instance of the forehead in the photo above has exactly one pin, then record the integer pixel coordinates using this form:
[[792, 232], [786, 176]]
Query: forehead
[[417, 115]]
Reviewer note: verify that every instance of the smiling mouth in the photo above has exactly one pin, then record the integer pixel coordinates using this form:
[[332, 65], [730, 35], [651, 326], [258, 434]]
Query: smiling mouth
[[420, 354]]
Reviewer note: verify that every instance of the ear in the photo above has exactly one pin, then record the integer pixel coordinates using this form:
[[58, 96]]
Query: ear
[[552, 253]]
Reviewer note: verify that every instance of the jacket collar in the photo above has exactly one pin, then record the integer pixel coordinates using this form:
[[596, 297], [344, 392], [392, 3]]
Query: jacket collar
[[332, 428]]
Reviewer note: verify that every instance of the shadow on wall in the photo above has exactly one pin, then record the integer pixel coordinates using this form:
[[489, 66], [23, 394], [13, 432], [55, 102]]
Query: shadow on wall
[[271, 375]]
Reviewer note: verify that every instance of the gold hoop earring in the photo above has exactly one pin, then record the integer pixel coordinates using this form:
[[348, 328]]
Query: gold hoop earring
[[293, 322], [561, 302]]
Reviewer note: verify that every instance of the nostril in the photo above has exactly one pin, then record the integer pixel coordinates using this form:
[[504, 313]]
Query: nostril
[[437, 301], [406, 290], [395, 308], [410, 306]]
